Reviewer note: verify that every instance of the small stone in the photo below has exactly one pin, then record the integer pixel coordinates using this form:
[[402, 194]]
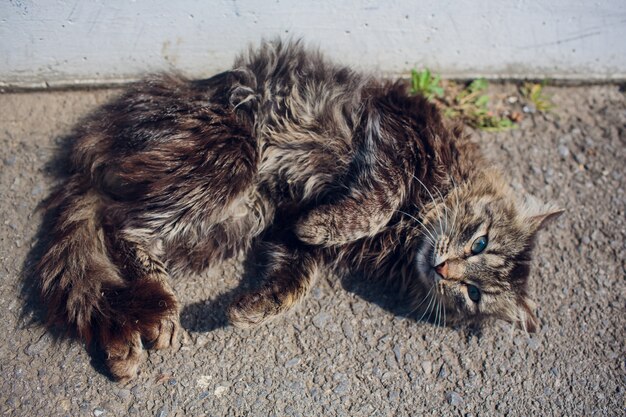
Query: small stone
[[533, 344], [454, 399], [98, 412], [137, 391], [37, 189], [342, 388], [529, 108], [348, 331], [163, 411], [220, 390], [9, 160], [585, 240], [292, 362], [320, 320], [41, 344], [204, 381], [427, 367], [123, 394], [580, 158], [443, 372], [394, 395], [563, 151], [397, 351], [317, 293], [512, 99]]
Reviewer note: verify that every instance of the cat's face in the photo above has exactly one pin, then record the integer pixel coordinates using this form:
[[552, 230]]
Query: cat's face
[[474, 257]]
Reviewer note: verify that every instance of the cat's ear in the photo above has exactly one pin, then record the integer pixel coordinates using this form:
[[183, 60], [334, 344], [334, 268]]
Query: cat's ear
[[537, 214], [526, 316]]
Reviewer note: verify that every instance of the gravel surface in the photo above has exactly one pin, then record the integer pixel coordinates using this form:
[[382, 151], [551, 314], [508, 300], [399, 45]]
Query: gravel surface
[[344, 351]]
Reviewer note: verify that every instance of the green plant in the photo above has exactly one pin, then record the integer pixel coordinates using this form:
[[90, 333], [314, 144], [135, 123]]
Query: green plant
[[534, 94], [423, 83], [471, 105]]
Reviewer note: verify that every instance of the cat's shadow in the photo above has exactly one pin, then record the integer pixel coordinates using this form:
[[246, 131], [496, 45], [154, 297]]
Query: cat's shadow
[[209, 315], [58, 169], [212, 314]]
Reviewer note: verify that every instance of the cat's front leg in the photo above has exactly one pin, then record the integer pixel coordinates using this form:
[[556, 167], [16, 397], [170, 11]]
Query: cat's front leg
[[289, 275], [360, 214]]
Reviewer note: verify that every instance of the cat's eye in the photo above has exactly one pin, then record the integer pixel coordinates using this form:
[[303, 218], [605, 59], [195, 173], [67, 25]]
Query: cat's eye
[[473, 292], [479, 245]]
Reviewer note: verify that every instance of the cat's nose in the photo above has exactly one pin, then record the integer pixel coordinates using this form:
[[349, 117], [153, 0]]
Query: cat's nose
[[442, 269]]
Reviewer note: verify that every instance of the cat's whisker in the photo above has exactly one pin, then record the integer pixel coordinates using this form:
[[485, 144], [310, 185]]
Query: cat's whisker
[[428, 308], [431, 229], [430, 236], [433, 200], [423, 299], [432, 308], [455, 223], [445, 207], [437, 314]]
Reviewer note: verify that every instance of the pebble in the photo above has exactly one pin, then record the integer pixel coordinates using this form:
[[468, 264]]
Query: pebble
[[443, 372], [317, 293], [342, 388], [98, 412], [348, 331], [320, 320], [292, 362], [220, 390], [454, 398], [38, 346], [580, 158], [163, 411], [37, 189], [137, 391], [394, 395], [9, 160], [397, 351], [529, 109], [585, 240], [123, 394], [563, 151], [427, 367], [533, 343]]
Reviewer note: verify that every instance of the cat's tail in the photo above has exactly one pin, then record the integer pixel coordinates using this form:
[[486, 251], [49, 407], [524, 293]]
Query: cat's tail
[[80, 285]]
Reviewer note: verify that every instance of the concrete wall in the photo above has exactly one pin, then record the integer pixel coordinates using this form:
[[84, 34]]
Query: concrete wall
[[60, 41]]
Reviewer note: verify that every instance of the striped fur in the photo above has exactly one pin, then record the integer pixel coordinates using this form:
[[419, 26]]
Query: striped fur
[[287, 154]]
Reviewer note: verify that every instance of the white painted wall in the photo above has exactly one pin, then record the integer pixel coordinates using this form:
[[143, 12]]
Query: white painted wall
[[59, 41]]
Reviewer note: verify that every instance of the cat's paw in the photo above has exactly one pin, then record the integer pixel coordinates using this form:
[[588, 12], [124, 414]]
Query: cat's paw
[[123, 357], [252, 309], [163, 334], [314, 229]]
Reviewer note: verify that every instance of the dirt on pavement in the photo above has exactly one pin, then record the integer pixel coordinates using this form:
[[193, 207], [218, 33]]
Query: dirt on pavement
[[343, 352]]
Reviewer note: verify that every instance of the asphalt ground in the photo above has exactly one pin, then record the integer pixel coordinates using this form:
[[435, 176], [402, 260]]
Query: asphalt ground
[[346, 351]]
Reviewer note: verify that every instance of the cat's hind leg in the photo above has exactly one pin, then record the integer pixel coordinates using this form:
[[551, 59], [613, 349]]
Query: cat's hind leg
[[288, 276], [111, 304], [140, 325]]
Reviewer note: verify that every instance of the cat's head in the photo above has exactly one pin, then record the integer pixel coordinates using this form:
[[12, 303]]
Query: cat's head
[[475, 252]]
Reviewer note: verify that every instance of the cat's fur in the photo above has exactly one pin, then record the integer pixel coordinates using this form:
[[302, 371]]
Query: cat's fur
[[289, 154]]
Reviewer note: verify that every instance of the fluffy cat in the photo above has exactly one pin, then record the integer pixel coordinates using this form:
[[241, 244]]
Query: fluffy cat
[[287, 154]]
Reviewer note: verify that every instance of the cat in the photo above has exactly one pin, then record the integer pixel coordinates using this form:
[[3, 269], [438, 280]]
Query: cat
[[290, 155]]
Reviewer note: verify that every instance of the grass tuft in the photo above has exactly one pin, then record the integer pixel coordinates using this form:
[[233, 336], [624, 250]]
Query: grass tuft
[[471, 104]]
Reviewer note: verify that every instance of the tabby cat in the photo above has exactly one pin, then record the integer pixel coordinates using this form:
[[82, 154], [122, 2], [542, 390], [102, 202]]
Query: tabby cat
[[287, 154]]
